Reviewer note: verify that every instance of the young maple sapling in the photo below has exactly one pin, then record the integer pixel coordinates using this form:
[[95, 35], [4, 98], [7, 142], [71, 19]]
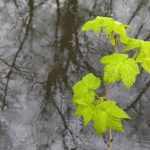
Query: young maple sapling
[[118, 66]]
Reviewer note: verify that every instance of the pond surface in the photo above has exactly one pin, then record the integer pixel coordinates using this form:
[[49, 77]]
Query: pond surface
[[43, 53]]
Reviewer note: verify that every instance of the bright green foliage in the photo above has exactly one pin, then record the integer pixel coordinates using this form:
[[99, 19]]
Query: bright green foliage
[[112, 39], [109, 25], [124, 39], [128, 71], [84, 96], [144, 58], [116, 27], [108, 115], [88, 112], [144, 55], [114, 58], [145, 45], [97, 24], [120, 67], [91, 82], [105, 114], [83, 90], [132, 44]]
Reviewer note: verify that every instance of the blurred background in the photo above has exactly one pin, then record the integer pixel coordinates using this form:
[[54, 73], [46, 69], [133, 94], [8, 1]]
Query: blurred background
[[43, 53]]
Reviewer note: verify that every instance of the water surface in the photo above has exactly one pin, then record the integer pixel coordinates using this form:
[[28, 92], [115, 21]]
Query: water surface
[[43, 53]]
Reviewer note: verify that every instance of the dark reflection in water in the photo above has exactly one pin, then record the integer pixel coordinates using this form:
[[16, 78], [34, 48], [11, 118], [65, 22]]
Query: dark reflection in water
[[43, 53], [66, 49]]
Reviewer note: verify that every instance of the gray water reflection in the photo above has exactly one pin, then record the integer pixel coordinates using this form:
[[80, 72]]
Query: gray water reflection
[[43, 53]]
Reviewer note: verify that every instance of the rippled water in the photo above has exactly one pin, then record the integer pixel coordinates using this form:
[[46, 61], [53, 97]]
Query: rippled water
[[43, 53]]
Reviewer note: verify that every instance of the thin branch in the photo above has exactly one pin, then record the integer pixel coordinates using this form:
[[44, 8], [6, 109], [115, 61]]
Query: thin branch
[[16, 4], [105, 95], [8, 76], [147, 38], [139, 30], [139, 96], [5, 94], [136, 10], [110, 139], [109, 132], [63, 120]]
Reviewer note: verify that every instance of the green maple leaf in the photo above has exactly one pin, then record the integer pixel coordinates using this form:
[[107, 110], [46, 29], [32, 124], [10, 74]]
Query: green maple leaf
[[111, 73], [112, 69], [108, 115], [112, 109], [111, 27], [144, 58], [87, 112], [109, 24], [145, 46], [91, 81], [124, 39], [100, 122], [83, 90], [84, 98], [128, 71], [92, 25], [132, 44], [97, 24], [120, 67], [116, 27], [80, 87], [114, 58]]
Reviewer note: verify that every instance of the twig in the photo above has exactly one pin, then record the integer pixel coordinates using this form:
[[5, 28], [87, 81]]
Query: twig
[[8, 76], [110, 140], [105, 95], [115, 44], [106, 91], [16, 4], [63, 120], [109, 132], [138, 96], [140, 5]]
